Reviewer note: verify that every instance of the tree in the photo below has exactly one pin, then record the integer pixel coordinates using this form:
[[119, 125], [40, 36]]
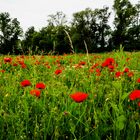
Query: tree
[[81, 30], [10, 31], [50, 39], [103, 33], [27, 43], [57, 24], [57, 19], [91, 27], [134, 31], [124, 15], [44, 39]]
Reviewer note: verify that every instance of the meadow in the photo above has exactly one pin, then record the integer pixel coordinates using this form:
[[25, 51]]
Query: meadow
[[70, 97]]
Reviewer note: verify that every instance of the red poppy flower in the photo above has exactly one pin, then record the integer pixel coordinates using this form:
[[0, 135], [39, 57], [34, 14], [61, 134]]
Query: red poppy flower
[[15, 64], [98, 73], [21, 62], [108, 61], [48, 66], [37, 62], [94, 66], [98, 70], [111, 68], [79, 96], [35, 92], [58, 61], [40, 85], [138, 80], [7, 59], [58, 71], [104, 64], [2, 71], [118, 74], [134, 95], [25, 83], [130, 74], [82, 63], [126, 70], [23, 66]]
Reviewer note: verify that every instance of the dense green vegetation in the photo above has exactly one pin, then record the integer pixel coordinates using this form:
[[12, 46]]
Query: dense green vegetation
[[74, 97], [67, 94], [88, 30]]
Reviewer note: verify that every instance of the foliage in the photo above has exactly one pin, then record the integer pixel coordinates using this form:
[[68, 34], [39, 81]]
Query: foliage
[[88, 31], [125, 14], [91, 27], [70, 96], [10, 31]]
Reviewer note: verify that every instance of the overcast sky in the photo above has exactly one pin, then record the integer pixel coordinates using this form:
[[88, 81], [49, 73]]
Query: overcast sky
[[35, 12]]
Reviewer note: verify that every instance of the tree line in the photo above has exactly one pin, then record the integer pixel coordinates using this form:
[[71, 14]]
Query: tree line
[[88, 31]]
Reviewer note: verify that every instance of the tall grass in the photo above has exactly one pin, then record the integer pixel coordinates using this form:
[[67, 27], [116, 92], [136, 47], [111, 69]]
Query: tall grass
[[107, 113]]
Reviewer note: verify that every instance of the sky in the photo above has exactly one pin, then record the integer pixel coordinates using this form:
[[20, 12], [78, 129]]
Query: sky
[[35, 12]]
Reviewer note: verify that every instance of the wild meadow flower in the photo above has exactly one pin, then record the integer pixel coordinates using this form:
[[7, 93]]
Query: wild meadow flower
[[48, 66], [2, 71], [82, 63], [35, 92], [111, 68], [94, 66], [134, 95], [98, 72], [57, 61], [91, 70], [58, 65], [138, 80], [108, 61], [79, 96], [37, 62], [58, 71], [23, 66], [46, 63], [25, 83], [126, 70], [20, 62], [127, 59], [40, 85], [118, 74], [130, 74], [7, 59], [15, 64]]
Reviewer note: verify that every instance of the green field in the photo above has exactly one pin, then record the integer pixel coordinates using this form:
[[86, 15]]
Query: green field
[[70, 97]]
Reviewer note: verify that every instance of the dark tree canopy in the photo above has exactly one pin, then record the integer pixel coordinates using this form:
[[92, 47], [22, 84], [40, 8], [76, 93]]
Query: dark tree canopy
[[125, 14], [10, 31], [88, 30]]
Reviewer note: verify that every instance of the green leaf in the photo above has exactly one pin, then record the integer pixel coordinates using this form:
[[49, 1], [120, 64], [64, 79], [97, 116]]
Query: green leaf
[[120, 122], [124, 96]]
